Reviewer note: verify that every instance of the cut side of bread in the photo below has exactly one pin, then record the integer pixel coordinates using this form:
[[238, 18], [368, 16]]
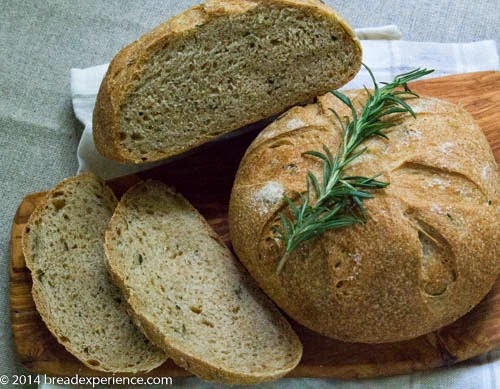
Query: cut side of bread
[[189, 294], [216, 68], [72, 289]]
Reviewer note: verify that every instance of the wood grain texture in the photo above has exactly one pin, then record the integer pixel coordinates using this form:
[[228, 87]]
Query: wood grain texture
[[205, 178]]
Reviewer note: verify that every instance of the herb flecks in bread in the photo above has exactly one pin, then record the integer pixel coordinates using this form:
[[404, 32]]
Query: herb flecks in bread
[[72, 289], [337, 201], [190, 295], [215, 68], [429, 249]]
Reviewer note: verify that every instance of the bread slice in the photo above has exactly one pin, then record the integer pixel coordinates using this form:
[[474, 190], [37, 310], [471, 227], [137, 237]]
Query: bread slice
[[189, 294], [217, 67], [72, 290]]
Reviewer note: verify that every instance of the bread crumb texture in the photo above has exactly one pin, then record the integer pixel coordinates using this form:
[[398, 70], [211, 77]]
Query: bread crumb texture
[[429, 251], [190, 295], [72, 289]]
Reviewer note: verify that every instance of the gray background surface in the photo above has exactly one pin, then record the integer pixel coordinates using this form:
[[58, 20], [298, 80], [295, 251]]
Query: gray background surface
[[41, 41]]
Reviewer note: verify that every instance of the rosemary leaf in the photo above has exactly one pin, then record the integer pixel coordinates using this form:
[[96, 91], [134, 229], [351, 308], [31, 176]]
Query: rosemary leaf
[[338, 199]]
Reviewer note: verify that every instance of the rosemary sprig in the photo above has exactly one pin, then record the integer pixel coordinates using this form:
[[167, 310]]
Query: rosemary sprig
[[338, 199]]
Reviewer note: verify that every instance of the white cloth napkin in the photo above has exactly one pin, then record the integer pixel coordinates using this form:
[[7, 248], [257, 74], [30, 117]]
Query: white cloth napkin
[[389, 32], [386, 58]]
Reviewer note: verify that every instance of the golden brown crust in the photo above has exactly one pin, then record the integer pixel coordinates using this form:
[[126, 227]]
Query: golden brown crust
[[192, 362], [128, 63], [429, 251]]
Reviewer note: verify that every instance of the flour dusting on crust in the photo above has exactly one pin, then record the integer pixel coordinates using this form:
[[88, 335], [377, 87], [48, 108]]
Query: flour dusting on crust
[[267, 196], [293, 124]]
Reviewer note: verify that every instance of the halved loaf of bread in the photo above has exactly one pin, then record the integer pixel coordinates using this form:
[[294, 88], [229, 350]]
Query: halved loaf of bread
[[63, 247], [189, 294], [215, 68]]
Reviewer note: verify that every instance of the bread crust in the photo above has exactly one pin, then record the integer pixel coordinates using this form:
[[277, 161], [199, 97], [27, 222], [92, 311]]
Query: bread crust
[[127, 65], [429, 251], [191, 362]]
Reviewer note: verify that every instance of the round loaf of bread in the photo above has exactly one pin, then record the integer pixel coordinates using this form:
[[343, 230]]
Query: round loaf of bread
[[429, 250]]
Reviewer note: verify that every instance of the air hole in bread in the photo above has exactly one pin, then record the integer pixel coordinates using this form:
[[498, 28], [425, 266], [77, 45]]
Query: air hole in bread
[[39, 274], [58, 203], [196, 309], [340, 284], [207, 323], [136, 135]]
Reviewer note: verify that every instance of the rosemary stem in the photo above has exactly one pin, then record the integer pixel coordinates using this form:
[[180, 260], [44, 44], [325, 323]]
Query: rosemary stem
[[282, 262]]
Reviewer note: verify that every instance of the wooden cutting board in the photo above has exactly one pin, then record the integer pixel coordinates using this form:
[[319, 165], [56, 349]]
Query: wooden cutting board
[[205, 178]]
